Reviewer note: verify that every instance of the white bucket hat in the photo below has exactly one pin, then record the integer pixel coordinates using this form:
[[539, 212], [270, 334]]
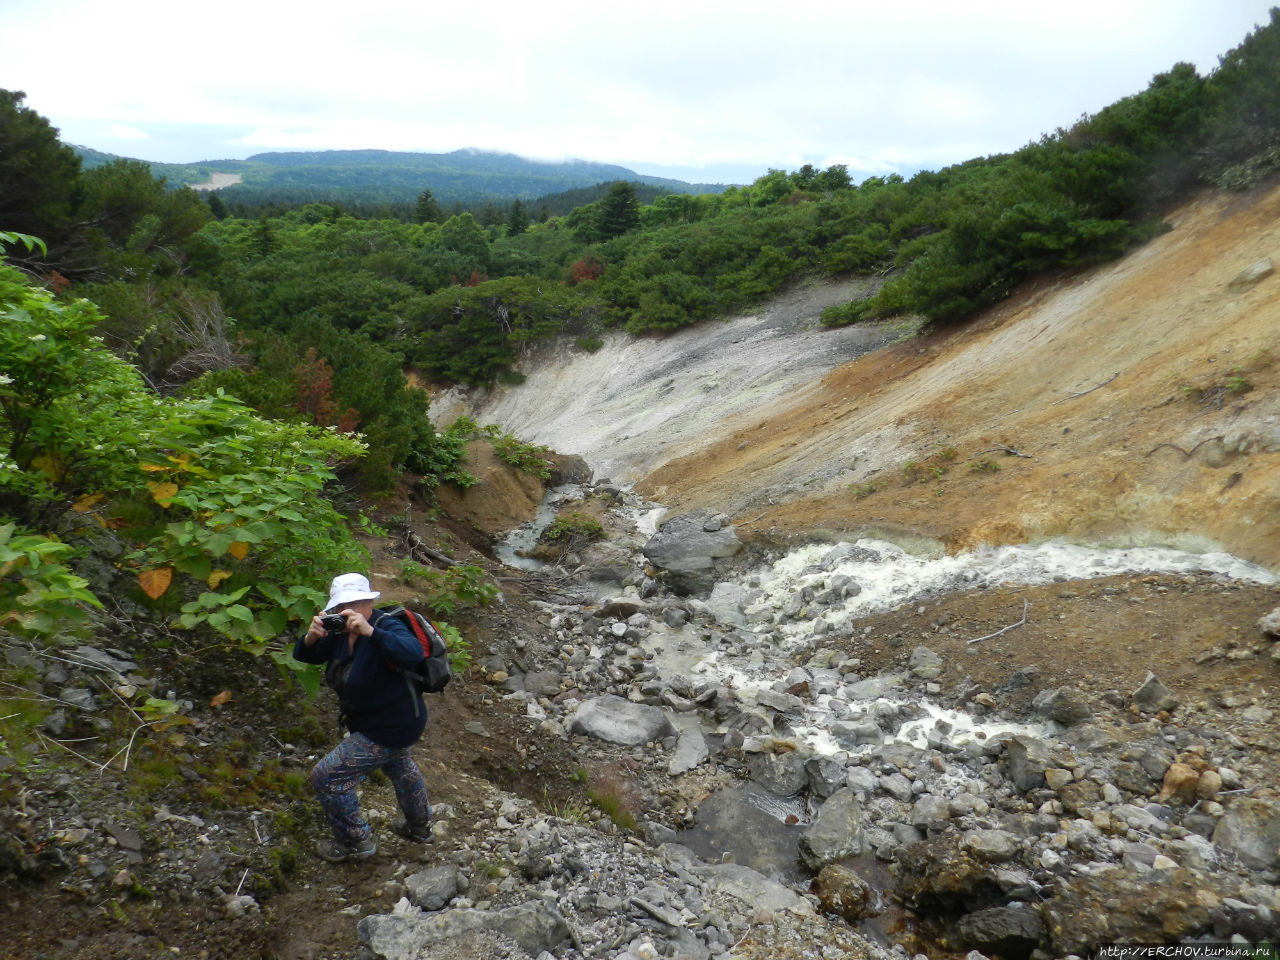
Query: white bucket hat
[[349, 587]]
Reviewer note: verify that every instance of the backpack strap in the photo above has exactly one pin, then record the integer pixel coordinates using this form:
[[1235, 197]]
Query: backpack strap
[[416, 628]]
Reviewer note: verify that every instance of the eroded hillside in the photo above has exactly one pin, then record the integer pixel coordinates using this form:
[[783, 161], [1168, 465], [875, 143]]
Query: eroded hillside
[[1136, 402]]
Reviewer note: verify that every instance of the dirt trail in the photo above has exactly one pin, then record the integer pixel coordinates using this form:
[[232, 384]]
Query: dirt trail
[[1092, 379]]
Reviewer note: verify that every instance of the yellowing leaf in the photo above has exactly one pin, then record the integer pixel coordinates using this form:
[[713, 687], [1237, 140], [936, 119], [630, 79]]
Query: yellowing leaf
[[85, 504], [152, 467], [155, 582], [217, 577], [238, 549], [163, 492], [220, 698]]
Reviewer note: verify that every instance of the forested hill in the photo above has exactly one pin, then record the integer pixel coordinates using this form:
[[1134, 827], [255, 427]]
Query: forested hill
[[463, 177]]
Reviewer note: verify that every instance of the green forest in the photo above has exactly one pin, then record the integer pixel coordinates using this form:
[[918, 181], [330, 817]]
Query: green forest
[[192, 401]]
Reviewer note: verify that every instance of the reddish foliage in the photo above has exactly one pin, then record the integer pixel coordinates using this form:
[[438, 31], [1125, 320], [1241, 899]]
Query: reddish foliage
[[584, 269], [314, 378], [56, 282]]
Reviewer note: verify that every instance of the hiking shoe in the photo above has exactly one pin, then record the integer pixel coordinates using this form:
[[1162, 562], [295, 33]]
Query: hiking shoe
[[417, 832], [335, 851]]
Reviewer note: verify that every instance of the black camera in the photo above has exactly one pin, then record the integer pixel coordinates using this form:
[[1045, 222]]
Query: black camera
[[334, 623]]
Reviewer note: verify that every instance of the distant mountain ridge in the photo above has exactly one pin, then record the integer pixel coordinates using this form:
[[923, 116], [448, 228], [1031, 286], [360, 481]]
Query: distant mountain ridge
[[466, 177]]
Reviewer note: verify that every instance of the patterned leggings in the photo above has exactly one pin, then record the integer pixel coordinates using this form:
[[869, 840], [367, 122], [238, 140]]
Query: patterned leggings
[[336, 777]]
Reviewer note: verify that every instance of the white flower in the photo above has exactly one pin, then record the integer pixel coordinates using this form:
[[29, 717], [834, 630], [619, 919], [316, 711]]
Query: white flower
[[5, 379], [37, 337]]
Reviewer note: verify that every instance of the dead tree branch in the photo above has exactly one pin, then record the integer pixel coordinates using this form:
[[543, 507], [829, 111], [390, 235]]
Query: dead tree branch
[[423, 554], [1021, 623], [1001, 448], [1185, 453], [1072, 396]]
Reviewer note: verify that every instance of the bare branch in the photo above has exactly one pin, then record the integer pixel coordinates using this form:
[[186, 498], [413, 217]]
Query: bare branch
[[1021, 623], [1072, 396]]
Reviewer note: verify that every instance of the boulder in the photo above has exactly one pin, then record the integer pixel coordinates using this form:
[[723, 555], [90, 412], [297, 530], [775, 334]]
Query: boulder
[[1153, 696], [1014, 930], [1066, 705], [1250, 829], [407, 936], [1270, 624], [615, 720], [782, 774], [1026, 760], [925, 664], [691, 750], [836, 833], [844, 893], [1256, 272], [433, 888], [688, 550]]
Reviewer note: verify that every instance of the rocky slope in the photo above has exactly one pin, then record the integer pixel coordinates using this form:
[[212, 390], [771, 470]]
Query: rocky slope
[[1142, 399]]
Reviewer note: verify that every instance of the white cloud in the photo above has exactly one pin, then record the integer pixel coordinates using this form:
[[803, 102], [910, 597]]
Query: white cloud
[[118, 131], [672, 83]]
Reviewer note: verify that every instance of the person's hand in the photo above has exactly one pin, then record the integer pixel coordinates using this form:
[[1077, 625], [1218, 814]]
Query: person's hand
[[357, 625], [315, 631]]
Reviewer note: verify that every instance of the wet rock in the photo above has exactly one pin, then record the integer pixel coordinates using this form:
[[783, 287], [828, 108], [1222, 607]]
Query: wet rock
[[1026, 759], [1253, 922], [535, 927], [826, 775], [742, 824], [433, 888], [847, 553], [1013, 930], [685, 548], [836, 833], [937, 875], [616, 720], [854, 734], [844, 893], [1126, 906], [1153, 696], [728, 602], [925, 664], [1066, 705], [1250, 829], [779, 773], [691, 750]]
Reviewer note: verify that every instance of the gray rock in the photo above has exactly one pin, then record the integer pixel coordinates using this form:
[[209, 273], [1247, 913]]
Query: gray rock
[[1153, 696], [782, 702], [728, 602], [993, 846], [1013, 930], [897, 786], [742, 823], [779, 773], [433, 888], [863, 781], [853, 734], [1026, 759], [826, 775], [1155, 761], [542, 683], [1250, 829], [683, 545], [691, 750], [847, 553], [615, 720], [1065, 705], [753, 888], [1254, 273], [836, 833], [930, 809], [925, 664], [1270, 624], [536, 927]]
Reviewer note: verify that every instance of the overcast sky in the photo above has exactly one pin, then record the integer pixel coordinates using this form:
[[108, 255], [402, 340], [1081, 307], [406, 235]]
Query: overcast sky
[[703, 91]]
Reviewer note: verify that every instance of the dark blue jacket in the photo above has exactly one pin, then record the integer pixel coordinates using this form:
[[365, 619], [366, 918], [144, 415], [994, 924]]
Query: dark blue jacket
[[375, 699]]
